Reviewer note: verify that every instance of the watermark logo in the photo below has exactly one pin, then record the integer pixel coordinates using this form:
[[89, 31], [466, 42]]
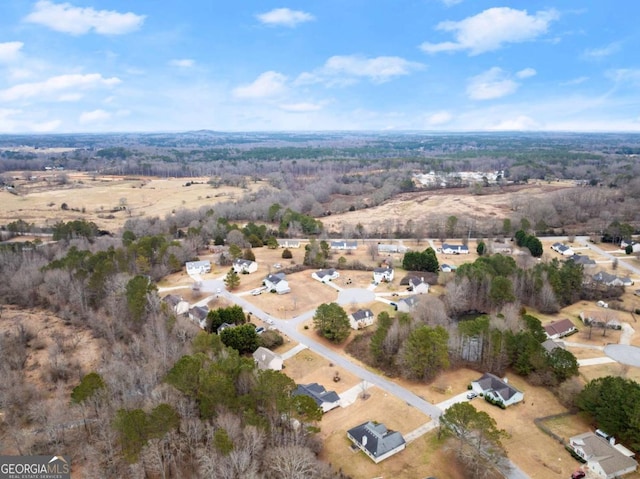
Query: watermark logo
[[35, 467]]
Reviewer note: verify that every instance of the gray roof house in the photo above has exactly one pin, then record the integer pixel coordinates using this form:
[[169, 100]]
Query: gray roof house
[[361, 319], [177, 304], [454, 248], [376, 441], [418, 285], [327, 400], [583, 260], [611, 279], [550, 345], [407, 304], [391, 248], [267, 359], [324, 275], [245, 266], [224, 326], [198, 267], [497, 389], [344, 245], [199, 315], [603, 458], [383, 274], [288, 243], [277, 283], [563, 249]]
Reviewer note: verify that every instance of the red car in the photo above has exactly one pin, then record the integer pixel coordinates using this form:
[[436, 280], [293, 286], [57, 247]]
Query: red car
[[579, 474]]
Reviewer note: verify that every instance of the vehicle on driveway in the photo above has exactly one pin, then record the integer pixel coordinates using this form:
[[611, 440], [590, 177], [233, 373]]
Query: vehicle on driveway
[[260, 330], [471, 395]]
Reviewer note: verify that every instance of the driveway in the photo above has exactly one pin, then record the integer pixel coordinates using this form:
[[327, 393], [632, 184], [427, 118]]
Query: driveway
[[624, 354]]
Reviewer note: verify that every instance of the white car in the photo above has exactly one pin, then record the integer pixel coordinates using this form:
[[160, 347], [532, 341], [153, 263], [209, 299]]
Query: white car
[[471, 395], [256, 292], [268, 320]]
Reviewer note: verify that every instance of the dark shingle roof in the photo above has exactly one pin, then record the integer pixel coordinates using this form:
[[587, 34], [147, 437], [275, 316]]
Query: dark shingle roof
[[379, 440], [316, 392]]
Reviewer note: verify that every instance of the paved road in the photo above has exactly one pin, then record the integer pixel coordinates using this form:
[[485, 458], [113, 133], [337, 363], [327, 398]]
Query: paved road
[[600, 251], [624, 354]]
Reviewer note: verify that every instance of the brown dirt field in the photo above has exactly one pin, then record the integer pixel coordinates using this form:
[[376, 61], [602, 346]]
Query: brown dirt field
[[40, 200], [419, 206], [308, 367], [79, 344], [610, 369]]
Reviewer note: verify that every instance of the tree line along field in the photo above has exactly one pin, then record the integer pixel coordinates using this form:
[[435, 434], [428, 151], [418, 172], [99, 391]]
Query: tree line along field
[[100, 285]]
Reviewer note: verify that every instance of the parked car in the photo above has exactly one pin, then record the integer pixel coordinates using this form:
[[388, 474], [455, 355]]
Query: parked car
[[260, 330], [256, 292], [579, 474], [268, 320], [471, 395]]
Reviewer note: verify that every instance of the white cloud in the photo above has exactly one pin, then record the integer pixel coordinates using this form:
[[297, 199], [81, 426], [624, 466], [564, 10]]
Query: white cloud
[[285, 17], [575, 81], [451, 3], [344, 69], [526, 73], [494, 83], [95, 116], [45, 126], [268, 84], [439, 118], [10, 51], [598, 53], [491, 29], [300, 107], [624, 75], [66, 18], [182, 62], [57, 85]]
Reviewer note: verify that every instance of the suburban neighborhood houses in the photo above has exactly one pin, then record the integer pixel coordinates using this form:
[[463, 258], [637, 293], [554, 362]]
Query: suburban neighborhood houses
[[376, 441], [604, 458], [496, 389]]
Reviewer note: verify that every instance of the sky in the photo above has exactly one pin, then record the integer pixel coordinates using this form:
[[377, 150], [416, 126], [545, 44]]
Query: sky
[[317, 65]]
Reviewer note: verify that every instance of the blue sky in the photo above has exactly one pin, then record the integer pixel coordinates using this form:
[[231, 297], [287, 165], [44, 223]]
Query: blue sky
[[437, 65]]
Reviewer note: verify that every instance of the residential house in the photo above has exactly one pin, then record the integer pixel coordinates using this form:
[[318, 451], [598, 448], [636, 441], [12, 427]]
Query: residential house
[[324, 275], [447, 268], [550, 345], [584, 260], [267, 359], [418, 285], [560, 329], [344, 245], [199, 315], [635, 247], [563, 249], [417, 276], [245, 266], [177, 304], [276, 282], [288, 243], [500, 390], [406, 305], [361, 319], [326, 400], [376, 441], [611, 279], [224, 326], [198, 267], [454, 248], [603, 458], [383, 274], [391, 248], [601, 318]]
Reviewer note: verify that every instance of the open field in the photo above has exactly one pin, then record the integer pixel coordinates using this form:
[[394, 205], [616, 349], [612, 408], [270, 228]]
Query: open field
[[96, 198]]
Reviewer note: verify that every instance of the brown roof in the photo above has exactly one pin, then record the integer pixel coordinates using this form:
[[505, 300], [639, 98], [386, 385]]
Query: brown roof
[[559, 327]]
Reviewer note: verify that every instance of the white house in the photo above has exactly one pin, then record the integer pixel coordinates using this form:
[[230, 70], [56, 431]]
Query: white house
[[245, 266], [177, 304], [497, 389], [376, 441], [198, 267], [611, 279], [344, 245], [199, 315], [361, 319], [560, 329], [288, 243], [391, 248], [267, 359], [603, 458], [564, 250], [418, 285], [324, 275], [326, 400], [406, 305], [277, 283], [454, 249], [383, 274], [635, 247]]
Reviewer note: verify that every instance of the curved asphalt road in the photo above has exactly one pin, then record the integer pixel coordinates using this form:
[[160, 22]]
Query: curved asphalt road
[[289, 327]]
